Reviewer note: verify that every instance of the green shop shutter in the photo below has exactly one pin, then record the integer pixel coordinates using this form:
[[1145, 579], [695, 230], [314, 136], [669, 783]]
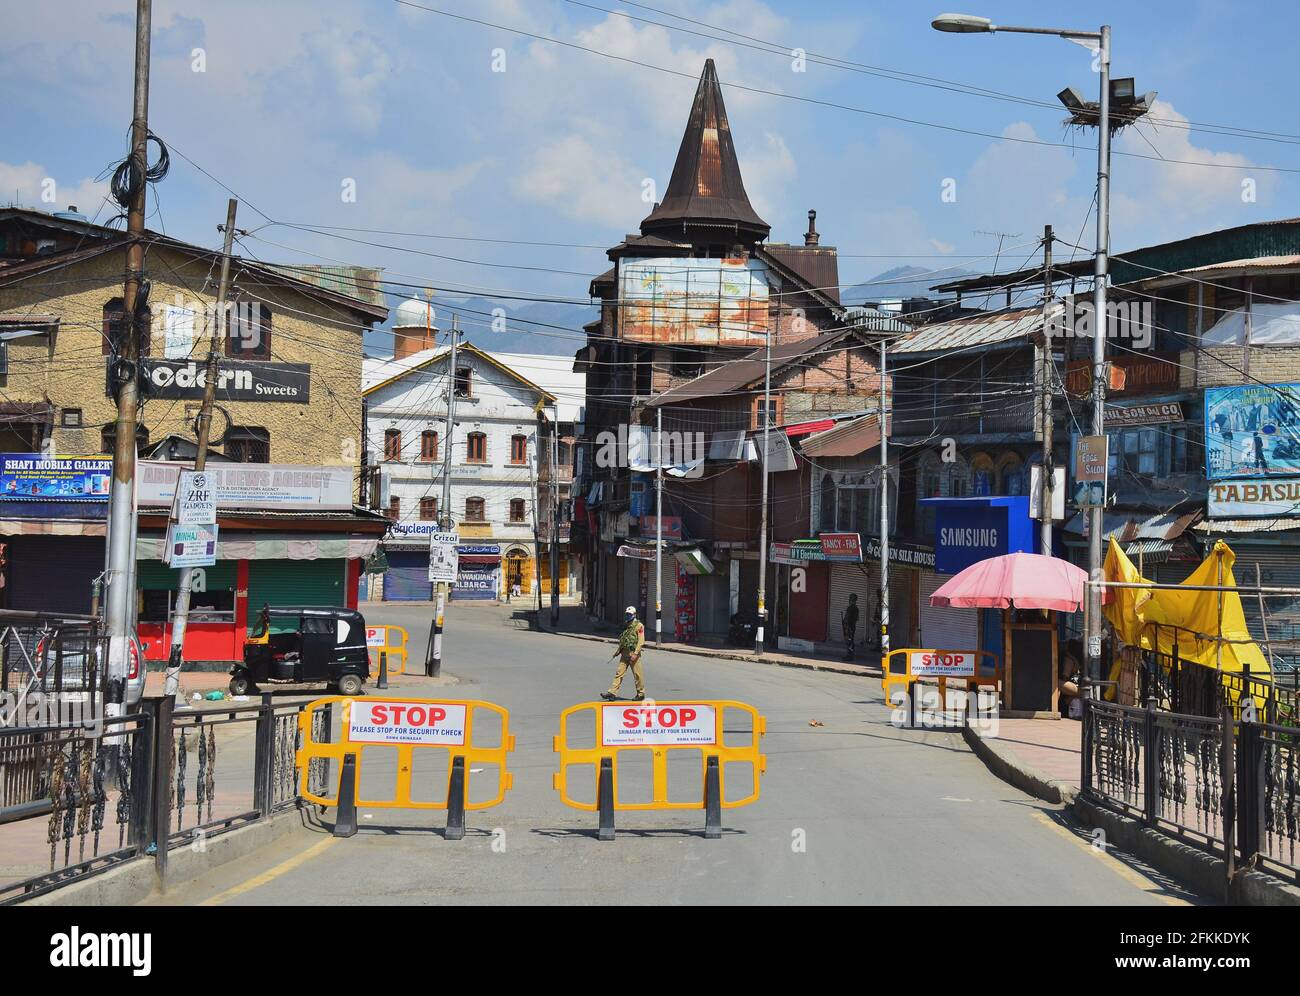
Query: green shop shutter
[[295, 582], [155, 575]]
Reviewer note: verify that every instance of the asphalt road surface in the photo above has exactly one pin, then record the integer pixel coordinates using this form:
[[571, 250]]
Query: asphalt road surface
[[852, 811]]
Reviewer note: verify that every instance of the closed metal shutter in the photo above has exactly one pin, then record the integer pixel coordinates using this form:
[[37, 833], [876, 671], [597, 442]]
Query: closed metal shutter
[[53, 573], [1279, 566], [668, 576], [295, 582], [901, 614], [407, 577], [943, 628], [713, 603], [862, 580], [155, 575]]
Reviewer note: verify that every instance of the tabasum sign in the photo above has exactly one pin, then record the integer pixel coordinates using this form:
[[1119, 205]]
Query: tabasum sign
[[390, 721], [646, 725]]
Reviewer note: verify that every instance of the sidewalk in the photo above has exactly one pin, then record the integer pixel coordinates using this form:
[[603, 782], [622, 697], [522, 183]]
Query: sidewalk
[[1039, 756], [574, 622]]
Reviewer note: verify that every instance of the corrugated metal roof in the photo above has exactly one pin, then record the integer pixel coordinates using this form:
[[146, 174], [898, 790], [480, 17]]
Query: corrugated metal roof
[[819, 266], [846, 439], [1247, 526], [359, 282], [1130, 527], [978, 330]]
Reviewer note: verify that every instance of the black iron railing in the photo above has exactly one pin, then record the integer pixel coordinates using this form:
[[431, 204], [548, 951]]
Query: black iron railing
[[1226, 784], [76, 799], [50, 654]]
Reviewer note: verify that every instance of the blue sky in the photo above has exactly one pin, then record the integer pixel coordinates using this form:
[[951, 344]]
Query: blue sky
[[297, 97]]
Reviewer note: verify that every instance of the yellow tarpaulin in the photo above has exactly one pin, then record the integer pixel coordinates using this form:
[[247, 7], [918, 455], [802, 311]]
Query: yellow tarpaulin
[[1188, 619]]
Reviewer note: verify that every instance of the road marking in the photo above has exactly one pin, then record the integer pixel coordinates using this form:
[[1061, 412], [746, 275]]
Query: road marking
[[1132, 876], [257, 881]]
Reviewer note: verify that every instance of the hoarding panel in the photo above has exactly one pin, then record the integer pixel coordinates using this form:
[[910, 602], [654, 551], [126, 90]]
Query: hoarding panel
[[695, 301], [1252, 430]]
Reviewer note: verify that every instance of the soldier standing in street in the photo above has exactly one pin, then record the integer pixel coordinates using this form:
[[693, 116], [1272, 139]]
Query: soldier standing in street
[[630, 645]]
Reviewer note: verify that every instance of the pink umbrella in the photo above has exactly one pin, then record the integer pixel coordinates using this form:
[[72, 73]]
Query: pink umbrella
[[1015, 581]]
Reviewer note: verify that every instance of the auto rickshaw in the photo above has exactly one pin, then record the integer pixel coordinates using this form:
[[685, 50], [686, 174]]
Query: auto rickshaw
[[318, 644]]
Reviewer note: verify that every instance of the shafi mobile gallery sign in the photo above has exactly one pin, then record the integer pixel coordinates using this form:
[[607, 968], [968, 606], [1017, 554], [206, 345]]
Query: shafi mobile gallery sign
[[237, 380], [32, 477], [1274, 499]]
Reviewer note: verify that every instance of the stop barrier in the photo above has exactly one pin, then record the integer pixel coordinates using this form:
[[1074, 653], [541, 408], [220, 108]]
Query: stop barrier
[[907, 666], [660, 727], [409, 725], [388, 640]]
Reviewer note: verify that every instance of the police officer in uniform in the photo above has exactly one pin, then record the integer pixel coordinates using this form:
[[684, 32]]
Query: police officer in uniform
[[630, 645]]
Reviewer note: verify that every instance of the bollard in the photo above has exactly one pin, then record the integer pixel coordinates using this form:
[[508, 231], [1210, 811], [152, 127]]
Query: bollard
[[456, 801], [605, 799], [345, 816], [432, 664], [383, 670], [712, 800]]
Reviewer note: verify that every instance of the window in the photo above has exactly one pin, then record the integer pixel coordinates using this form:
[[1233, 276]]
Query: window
[[429, 445], [1134, 451], [518, 449], [428, 509], [826, 504], [565, 455], [115, 328], [464, 382], [248, 444], [394, 508], [474, 510], [249, 331], [71, 418], [772, 407], [392, 444], [108, 436], [516, 510], [476, 448]]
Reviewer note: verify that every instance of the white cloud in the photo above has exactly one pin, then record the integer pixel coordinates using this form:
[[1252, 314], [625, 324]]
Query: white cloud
[[31, 185]]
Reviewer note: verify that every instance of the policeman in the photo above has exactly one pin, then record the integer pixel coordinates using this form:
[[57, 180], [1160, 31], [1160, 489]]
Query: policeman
[[629, 655]]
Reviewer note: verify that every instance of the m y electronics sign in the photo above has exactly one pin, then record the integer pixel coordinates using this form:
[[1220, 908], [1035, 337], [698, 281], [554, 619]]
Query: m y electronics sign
[[390, 721], [237, 380], [664, 723]]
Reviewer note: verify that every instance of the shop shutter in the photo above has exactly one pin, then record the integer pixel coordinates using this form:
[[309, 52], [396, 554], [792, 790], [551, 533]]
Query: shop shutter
[[668, 575], [862, 580], [943, 628], [713, 602], [53, 573], [900, 607], [407, 577], [1279, 567], [155, 575], [295, 582]]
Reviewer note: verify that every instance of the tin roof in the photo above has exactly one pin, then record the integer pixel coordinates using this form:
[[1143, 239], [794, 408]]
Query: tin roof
[[986, 329], [705, 187]]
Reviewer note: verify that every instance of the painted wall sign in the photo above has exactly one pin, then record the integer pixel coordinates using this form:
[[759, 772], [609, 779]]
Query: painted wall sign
[[237, 380], [1252, 430], [33, 477], [1275, 499], [1160, 413]]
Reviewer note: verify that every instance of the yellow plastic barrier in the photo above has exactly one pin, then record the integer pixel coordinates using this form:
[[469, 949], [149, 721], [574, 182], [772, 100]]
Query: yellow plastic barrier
[[660, 727], [380, 725], [907, 666], [390, 640]]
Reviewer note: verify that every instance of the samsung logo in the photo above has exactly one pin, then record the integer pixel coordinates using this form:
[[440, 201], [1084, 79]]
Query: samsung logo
[[968, 537]]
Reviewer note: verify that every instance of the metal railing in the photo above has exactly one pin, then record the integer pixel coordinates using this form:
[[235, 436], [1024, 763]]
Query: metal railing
[[50, 654], [77, 799], [1226, 784]]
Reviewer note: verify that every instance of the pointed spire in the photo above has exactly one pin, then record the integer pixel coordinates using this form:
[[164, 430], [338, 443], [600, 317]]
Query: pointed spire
[[706, 188]]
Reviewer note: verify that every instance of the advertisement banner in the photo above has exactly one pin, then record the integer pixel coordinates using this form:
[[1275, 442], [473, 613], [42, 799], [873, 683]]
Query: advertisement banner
[[389, 721], [704, 301], [842, 547], [444, 557], [196, 499], [1273, 499], [190, 546], [678, 723], [33, 477], [237, 380], [1252, 430], [254, 485], [1091, 454]]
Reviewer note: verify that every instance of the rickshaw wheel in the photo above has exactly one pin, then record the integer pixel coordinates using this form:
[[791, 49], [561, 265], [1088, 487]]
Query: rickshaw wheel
[[349, 684], [240, 685]]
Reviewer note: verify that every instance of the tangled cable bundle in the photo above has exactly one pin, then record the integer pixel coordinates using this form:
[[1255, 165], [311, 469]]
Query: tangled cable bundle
[[131, 174]]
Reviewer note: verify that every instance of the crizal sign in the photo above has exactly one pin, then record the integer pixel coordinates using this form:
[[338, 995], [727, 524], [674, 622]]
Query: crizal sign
[[941, 663], [390, 721], [648, 725]]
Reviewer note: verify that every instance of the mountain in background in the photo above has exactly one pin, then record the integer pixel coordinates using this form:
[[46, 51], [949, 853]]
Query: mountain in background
[[530, 326], [901, 281]]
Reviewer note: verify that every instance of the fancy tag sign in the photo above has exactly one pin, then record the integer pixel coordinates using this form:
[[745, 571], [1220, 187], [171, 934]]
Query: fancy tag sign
[[941, 663], [394, 721], [647, 725]]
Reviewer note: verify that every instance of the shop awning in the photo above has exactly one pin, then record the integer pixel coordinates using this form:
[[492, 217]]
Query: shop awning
[[307, 547]]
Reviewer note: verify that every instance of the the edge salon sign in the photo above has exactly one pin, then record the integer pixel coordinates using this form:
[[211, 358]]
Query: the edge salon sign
[[236, 380]]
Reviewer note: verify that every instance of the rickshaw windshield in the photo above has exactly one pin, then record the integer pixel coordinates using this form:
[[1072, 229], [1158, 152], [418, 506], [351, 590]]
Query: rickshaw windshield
[[263, 626]]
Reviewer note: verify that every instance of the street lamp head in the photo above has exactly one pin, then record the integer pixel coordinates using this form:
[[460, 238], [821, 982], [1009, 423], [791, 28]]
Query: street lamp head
[[962, 23], [1072, 99]]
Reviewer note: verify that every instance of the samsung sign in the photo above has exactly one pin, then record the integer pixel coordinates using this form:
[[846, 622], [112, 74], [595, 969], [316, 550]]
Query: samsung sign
[[968, 530], [236, 381]]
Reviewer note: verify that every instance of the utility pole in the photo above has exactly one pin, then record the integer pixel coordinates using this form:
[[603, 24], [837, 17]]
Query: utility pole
[[440, 605], [533, 488], [1100, 267], [659, 525], [555, 517], [120, 607], [884, 515], [1046, 368], [180, 616], [762, 529]]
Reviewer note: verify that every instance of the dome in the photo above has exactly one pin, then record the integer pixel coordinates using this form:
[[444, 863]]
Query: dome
[[412, 313]]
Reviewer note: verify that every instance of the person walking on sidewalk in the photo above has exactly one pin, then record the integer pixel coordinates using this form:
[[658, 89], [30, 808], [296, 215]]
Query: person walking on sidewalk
[[630, 645], [849, 623]]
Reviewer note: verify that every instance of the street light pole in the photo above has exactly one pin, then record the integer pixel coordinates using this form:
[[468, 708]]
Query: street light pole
[[966, 24]]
